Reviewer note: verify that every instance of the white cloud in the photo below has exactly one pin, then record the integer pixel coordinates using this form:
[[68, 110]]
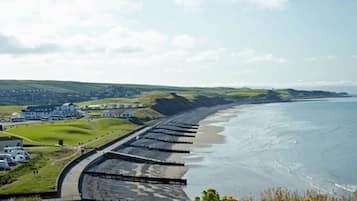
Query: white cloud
[[252, 56], [184, 41], [47, 20], [190, 5], [207, 56], [10, 45], [269, 3], [354, 56], [320, 58]]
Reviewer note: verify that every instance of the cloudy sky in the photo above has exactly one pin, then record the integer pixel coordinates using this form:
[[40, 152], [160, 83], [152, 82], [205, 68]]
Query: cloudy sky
[[276, 43]]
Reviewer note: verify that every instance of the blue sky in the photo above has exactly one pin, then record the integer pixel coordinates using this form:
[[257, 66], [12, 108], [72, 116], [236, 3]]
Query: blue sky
[[256, 43]]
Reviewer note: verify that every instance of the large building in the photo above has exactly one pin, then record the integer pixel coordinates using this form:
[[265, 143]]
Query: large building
[[9, 141], [117, 114], [54, 112], [112, 106]]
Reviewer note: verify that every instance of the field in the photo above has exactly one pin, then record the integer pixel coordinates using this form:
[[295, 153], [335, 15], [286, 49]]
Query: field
[[246, 92], [48, 161], [147, 98], [72, 132], [6, 111]]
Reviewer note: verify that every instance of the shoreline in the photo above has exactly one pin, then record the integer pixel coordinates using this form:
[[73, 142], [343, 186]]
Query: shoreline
[[108, 189]]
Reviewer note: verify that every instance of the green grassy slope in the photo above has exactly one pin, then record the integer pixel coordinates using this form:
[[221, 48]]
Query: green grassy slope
[[72, 131], [78, 87], [65, 91]]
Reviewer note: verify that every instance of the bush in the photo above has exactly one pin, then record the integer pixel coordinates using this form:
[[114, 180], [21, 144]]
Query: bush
[[277, 194]]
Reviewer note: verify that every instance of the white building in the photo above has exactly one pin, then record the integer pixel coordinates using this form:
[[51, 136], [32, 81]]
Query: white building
[[48, 112], [113, 106], [117, 114]]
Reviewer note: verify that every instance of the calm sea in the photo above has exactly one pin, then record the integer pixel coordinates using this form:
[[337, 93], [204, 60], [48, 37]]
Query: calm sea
[[301, 145]]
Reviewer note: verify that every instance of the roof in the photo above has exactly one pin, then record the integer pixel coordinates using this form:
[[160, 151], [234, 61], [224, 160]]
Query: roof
[[69, 104], [41, 108], [7, 138]]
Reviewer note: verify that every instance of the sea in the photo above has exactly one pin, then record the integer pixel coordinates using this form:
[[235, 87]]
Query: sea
[[298, 145]]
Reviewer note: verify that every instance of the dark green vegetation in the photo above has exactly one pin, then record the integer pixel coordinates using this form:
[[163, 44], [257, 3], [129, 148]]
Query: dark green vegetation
[[278, 194], [13, 92]]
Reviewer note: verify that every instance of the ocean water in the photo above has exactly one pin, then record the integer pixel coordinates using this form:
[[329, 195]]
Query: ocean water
[[300, 145]]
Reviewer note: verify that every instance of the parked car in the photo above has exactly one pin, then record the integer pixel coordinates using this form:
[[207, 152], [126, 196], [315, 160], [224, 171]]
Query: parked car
[[20, 158], [4, 165], [10, 149], [18, 154], [8, 157]]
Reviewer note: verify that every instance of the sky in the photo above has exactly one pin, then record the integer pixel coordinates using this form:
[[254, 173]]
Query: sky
[[235, 43]]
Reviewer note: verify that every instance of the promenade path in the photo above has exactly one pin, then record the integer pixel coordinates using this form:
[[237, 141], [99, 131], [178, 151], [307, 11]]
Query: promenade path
[[70, 185]]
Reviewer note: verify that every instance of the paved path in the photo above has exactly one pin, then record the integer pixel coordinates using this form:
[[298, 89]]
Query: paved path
[[70, 185]]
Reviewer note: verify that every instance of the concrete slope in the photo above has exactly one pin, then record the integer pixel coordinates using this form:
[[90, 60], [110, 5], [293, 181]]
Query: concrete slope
[[70, 185]]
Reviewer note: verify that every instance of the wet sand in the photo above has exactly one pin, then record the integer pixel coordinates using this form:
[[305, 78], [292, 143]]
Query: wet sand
[[99, 188]]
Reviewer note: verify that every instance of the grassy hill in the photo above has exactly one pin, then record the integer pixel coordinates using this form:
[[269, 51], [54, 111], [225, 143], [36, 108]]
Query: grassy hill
[[71, 131], [28, 92]]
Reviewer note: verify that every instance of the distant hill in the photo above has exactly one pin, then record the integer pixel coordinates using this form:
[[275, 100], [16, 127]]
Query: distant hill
[[28, 92]]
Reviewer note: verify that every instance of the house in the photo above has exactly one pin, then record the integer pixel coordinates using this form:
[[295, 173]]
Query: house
[[118, 113], [54, 112], [113, 106], [18, 117], [94, 107], [10, 141], [127, 114]]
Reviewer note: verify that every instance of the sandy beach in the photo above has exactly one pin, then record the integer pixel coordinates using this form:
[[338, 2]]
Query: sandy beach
[[170, 129]]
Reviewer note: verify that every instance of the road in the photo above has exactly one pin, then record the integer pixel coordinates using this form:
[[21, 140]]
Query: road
[[70, 185]]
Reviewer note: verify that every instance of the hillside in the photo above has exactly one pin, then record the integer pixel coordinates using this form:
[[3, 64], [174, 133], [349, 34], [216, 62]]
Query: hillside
[[27, 92]]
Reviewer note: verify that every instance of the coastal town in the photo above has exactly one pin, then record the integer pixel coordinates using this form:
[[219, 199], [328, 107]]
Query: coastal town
[[12, 151], [135, 148]]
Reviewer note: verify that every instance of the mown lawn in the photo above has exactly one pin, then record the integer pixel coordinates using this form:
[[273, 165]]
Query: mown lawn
[[6, 111], [72, 132], [48, 161]]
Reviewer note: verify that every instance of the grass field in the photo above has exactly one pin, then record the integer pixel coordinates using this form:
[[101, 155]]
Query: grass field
[[6, 111], [48, 161], [147, 98], [72, 132], [246, 92]]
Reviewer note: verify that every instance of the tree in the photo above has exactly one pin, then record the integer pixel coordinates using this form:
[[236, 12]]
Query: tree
[[229, 198], [212, 195]]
